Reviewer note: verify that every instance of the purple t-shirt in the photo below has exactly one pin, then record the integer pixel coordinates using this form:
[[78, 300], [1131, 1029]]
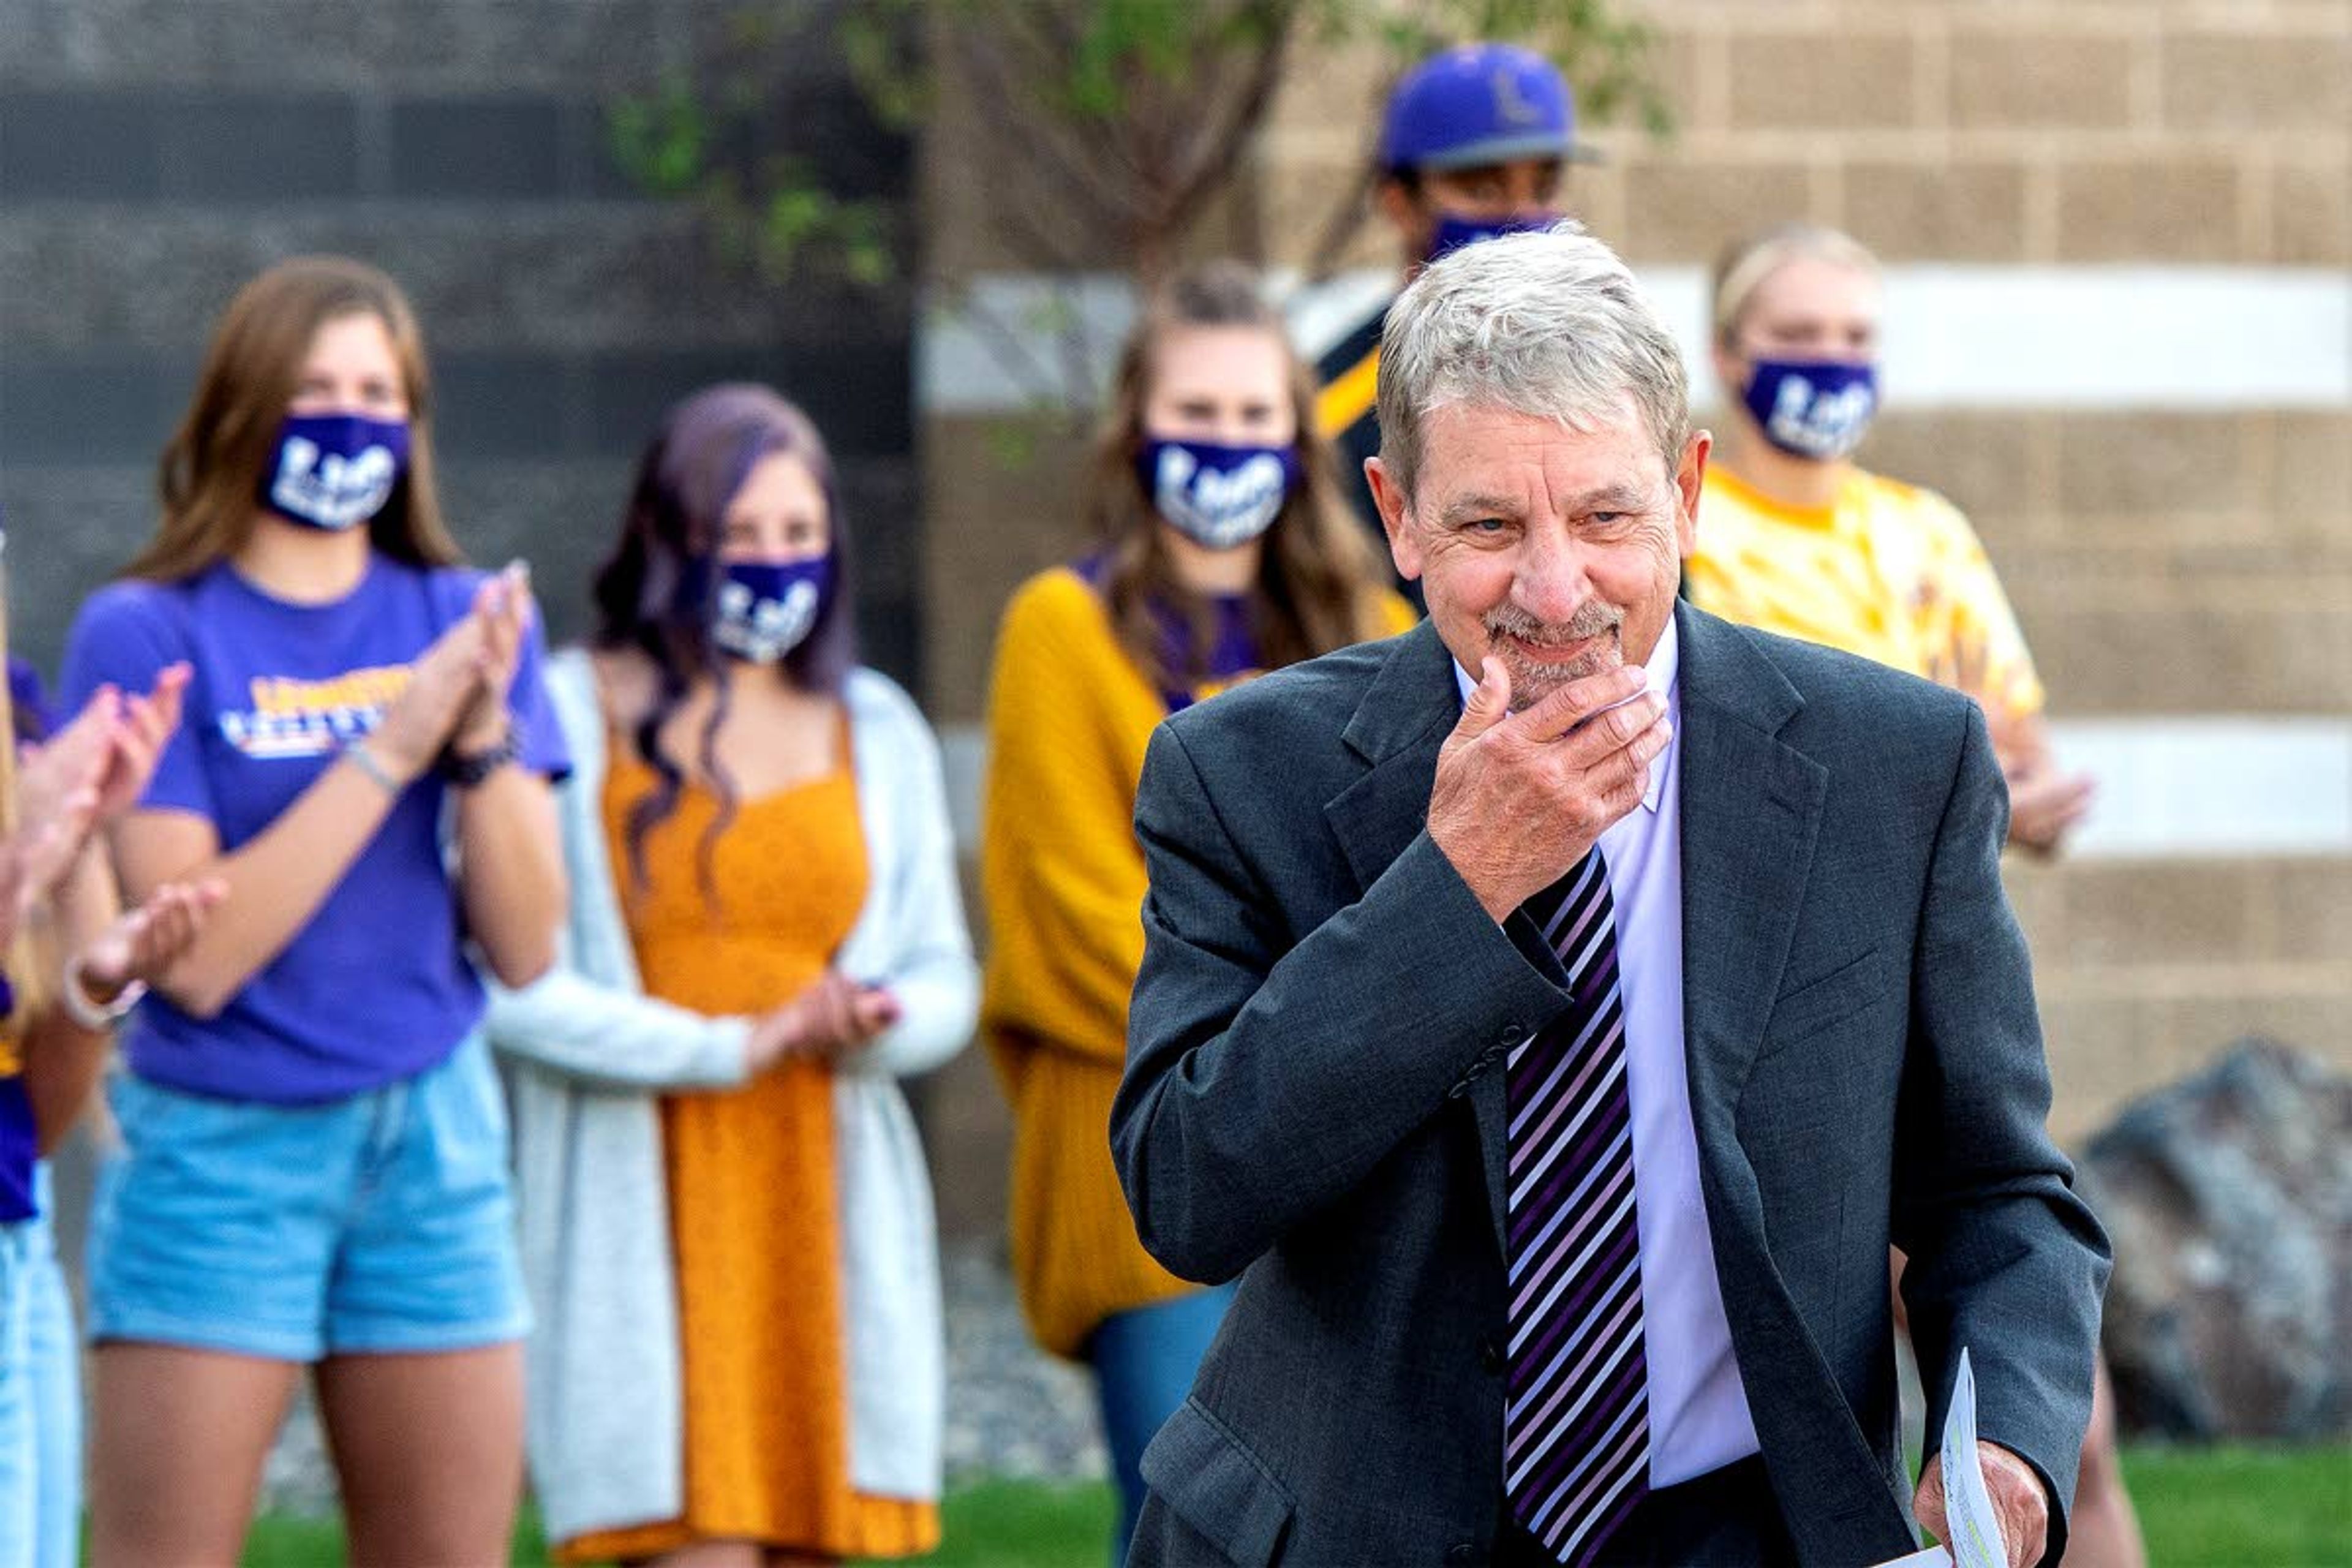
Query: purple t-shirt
[[375, 987], [1232, 641]]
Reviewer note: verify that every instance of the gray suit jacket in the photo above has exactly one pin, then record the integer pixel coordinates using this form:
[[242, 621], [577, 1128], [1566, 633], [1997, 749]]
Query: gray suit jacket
[[1312, 1101]]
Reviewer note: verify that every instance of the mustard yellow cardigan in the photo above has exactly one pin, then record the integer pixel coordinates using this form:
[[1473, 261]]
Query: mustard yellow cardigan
[[1070, 716]]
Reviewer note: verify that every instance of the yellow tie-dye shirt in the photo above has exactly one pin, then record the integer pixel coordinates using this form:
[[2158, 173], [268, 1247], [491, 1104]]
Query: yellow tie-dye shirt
[[1889, 571]]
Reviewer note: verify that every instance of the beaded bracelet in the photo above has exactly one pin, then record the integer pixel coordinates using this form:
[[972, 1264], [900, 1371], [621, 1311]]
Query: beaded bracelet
[[368, 764], [94, 1016]]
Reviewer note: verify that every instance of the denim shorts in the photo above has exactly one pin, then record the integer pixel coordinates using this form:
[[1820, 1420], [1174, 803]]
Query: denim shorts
[[19, 1496], [383, 1222]]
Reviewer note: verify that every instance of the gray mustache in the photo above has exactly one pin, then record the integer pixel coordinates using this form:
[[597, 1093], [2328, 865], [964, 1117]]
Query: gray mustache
[[1593, 618]]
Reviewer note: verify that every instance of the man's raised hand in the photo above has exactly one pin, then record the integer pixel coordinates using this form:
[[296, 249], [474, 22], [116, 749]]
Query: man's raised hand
[[1520, 798]]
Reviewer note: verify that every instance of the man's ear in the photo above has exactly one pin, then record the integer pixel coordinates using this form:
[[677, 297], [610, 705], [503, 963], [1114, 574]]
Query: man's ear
[[1396, 518], [1690, 483]]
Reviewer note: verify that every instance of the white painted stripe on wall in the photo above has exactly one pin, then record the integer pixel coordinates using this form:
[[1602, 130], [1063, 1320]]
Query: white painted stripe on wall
[[2212, 786], [2166, 338], [2168, 788]]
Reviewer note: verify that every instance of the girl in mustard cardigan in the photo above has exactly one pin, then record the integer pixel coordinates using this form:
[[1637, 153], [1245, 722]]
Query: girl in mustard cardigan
[[1225, 549]]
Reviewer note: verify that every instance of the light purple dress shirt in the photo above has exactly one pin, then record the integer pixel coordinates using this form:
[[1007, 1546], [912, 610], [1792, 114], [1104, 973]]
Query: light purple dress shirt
[[1698, 1408]]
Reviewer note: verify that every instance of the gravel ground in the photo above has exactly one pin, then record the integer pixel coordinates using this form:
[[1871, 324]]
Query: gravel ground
[[1012, 1411]]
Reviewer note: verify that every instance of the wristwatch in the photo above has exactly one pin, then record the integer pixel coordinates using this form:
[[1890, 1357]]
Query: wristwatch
[[466, 769]]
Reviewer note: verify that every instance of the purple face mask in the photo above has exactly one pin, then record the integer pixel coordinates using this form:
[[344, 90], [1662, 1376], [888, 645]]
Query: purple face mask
[[1219, 497], [334, 470], [1813, 408], [1453, 233], [762, 611]]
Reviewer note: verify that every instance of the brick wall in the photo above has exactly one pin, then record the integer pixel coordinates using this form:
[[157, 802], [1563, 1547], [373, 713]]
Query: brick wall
[[155, 154], [2164, 561]]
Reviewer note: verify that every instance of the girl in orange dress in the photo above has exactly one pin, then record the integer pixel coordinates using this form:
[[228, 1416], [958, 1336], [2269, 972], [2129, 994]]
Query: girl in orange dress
[[766, 931]]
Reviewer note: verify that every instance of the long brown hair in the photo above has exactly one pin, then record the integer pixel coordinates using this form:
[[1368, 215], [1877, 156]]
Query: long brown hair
[[1318, 579], [211, 467]]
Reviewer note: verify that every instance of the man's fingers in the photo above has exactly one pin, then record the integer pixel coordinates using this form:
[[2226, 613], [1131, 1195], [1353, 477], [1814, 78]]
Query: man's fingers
[[1630, 734], [2019, 1501], [1562, 711], [1643, 749], [1490, 701], [1928, 1504]]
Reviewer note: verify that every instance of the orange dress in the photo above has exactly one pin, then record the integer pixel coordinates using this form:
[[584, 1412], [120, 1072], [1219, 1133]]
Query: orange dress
[[752, 1189]]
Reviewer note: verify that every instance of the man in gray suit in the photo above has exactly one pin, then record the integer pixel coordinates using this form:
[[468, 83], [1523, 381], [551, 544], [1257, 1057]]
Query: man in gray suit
[[1553, 1014]]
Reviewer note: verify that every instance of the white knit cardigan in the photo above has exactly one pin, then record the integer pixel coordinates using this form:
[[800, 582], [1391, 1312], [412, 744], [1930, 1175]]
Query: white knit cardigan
[[585, 1054]]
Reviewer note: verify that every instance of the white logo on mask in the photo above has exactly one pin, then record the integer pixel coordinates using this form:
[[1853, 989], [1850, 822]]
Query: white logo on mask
[[763, 630], [330, 489], [1221, 510], [1825, 426]]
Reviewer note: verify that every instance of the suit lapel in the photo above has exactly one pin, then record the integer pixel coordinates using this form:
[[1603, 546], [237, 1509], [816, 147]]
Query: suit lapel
[[1403, 719], [1752, 808], [1407, 712]]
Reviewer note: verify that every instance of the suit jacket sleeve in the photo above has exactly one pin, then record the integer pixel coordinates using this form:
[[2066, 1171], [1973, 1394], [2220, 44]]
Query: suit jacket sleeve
[[2005, 1259], [1265, 1079]]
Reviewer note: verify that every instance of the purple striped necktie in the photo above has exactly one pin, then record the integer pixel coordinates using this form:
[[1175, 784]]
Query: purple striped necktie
[[1576, 1416]]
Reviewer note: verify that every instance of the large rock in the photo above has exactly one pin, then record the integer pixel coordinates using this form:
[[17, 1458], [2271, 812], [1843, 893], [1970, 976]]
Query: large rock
[[2228, 1196]]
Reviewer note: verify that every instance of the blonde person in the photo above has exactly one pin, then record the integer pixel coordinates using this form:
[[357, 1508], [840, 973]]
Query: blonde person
[[1800, 540], [726, 1215], [1226, 549], [53, 1041], [1795, 538], [314, 1170]]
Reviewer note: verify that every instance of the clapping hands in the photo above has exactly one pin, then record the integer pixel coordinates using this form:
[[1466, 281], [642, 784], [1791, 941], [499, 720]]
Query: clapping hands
[[89, 774], [141, 946]]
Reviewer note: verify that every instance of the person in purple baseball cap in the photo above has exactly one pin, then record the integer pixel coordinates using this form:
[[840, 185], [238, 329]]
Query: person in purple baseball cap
[[1475, 143]]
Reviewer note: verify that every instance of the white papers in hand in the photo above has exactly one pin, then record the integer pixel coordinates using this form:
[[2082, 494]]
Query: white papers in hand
[[1971, 1530]]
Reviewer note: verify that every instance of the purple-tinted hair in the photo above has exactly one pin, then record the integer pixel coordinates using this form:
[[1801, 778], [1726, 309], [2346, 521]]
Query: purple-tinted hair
[[652, 593]]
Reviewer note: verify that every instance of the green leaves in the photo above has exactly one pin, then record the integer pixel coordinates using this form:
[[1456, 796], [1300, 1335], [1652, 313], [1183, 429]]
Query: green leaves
[[659, 139], [1106, 131]]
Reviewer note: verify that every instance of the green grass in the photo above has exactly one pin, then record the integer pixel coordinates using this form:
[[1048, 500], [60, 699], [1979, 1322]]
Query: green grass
[[2201, 1508], [1025, 1524], [2242, 1508], [281, 1541], [991, 1524]]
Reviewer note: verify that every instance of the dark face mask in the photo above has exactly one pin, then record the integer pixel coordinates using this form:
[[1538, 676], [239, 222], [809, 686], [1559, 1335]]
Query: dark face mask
[[1819, 409], [1219, 497], [334, 471], [760, 610], [1454, 232]]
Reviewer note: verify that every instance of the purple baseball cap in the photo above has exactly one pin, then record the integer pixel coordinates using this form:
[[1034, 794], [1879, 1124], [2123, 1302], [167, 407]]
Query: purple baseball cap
[[1480, 104]]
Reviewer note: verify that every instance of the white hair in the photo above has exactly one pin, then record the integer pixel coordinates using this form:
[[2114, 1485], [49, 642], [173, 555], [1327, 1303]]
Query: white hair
[[1549, 324]]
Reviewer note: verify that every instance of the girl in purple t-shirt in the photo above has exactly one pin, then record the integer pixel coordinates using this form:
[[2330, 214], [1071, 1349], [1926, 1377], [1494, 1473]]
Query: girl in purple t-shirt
[[314, 1169]]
